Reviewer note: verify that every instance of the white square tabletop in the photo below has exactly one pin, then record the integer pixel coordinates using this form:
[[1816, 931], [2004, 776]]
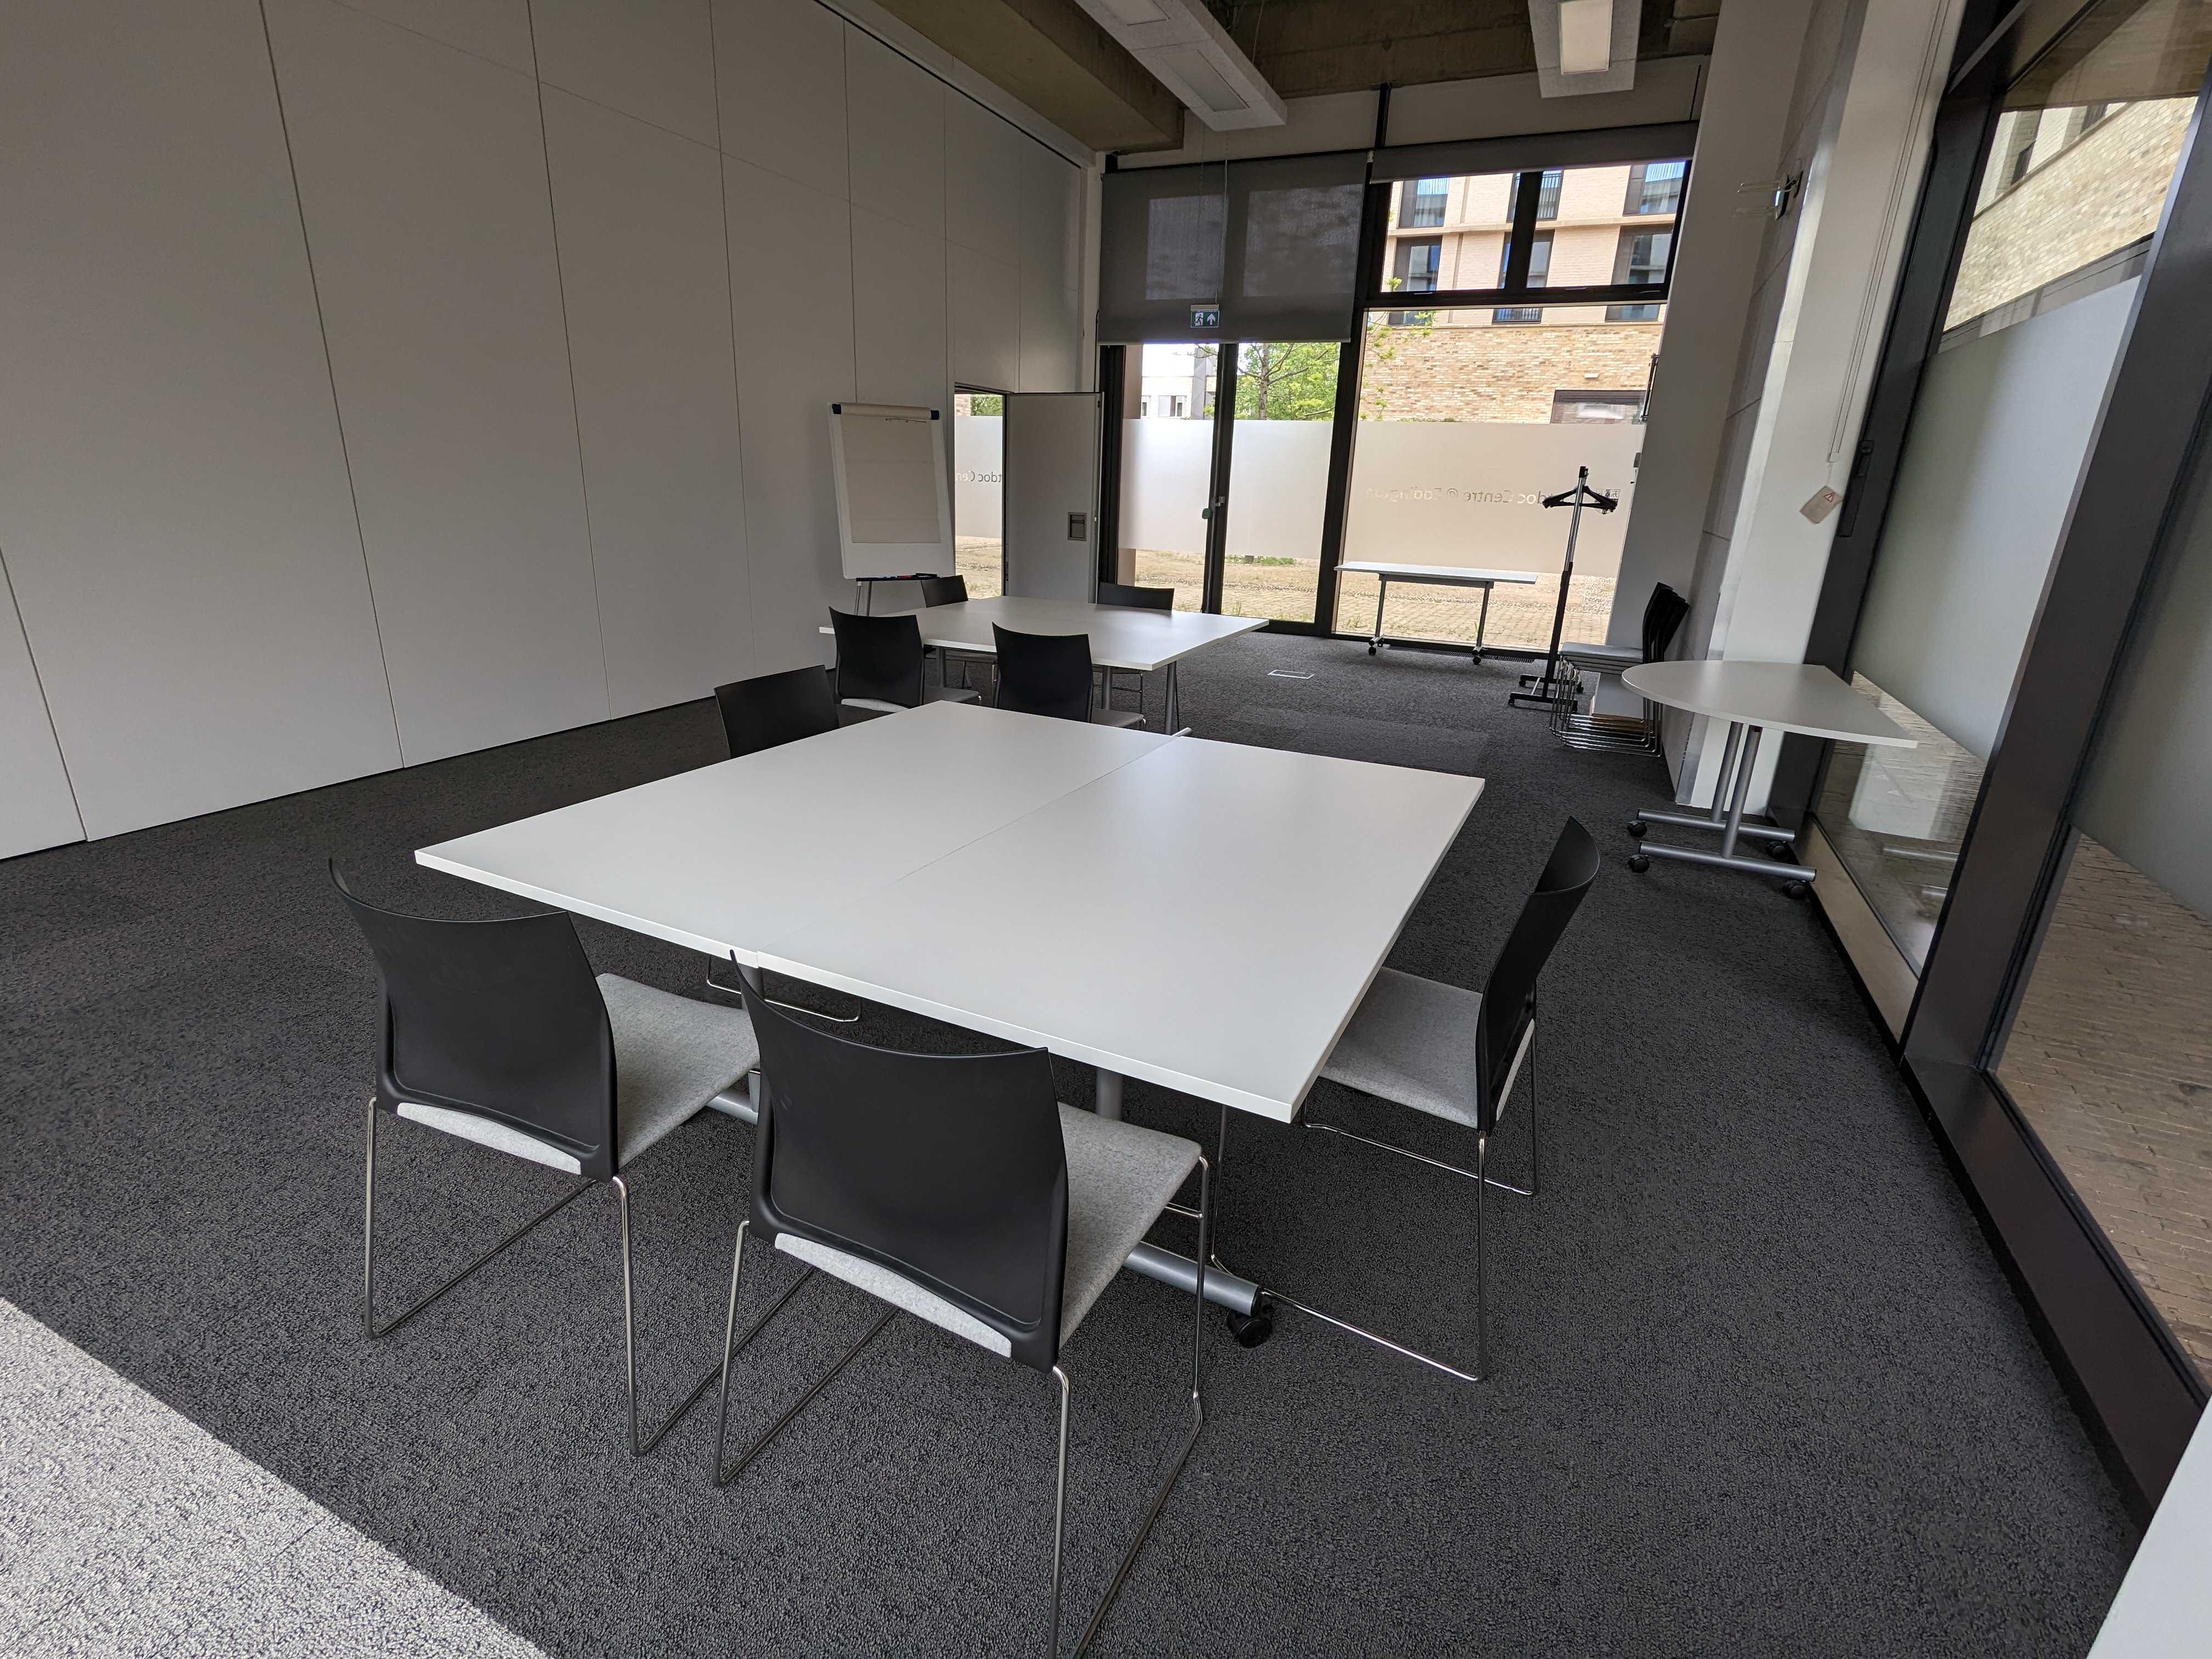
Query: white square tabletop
[[1202, 915]]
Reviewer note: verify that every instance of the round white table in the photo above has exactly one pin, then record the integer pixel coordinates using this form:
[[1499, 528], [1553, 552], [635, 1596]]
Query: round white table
[[1753, 698]]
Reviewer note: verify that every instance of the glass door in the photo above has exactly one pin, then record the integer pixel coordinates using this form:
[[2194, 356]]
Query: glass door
[[1167, 524], [1283, 396], [979, 490]]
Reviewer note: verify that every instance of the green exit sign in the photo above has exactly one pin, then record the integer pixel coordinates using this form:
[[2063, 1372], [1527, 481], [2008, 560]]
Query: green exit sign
[[1206, 316]]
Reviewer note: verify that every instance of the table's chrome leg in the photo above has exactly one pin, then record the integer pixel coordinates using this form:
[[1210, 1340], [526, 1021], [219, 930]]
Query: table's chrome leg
[[1482, 623], [1110, 1094], [1727, 772], [1746, 760], [1174, 716], [1381, 592]]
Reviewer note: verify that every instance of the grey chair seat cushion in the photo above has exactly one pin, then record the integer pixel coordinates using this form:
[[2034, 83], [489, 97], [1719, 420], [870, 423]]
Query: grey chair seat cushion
[[1608, 657], [672, 1055], [1120, 1177], [929, 694], [1413, 1040]]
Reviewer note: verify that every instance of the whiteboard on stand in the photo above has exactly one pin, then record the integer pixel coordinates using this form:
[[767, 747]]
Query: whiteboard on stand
[[894, 495]]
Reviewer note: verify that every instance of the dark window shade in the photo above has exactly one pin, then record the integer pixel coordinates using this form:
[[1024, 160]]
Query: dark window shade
[[1274, 243]]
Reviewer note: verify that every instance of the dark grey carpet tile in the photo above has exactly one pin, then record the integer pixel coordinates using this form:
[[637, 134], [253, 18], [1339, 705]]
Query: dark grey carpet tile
[[1759, 1386]]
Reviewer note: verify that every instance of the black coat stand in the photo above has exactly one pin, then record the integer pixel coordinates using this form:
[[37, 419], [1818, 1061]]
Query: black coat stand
[[1546, 690]]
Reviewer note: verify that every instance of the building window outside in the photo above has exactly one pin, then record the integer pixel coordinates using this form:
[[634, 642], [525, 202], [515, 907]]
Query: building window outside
[[1426, 209], [1596, 408], [1655, 187], [1539, 268], [1642, 259], [1547, 194], [1417, 264]]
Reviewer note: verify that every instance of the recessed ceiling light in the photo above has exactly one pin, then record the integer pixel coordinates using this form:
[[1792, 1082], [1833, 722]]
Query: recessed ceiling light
[[1586, 36]]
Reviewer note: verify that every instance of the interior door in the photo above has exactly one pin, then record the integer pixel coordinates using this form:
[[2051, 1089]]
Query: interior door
[[1051, 495]]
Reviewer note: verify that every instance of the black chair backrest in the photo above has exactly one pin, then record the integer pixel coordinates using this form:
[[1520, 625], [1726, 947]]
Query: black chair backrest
[[944, 590], [499, 1018], [1044, 673], [878, 657], [1509, 999], [1136, 598], [775, 709], [948, 1170], [1662, 617]]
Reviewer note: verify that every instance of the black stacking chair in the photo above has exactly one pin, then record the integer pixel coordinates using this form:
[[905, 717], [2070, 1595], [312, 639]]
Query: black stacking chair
[[1457, 1054], [879, 664], [1663, 614], [1050, 674], [1133, 597], [1130, 597], [949, 590], [771, 709], [957, 1189], [495, 1032]]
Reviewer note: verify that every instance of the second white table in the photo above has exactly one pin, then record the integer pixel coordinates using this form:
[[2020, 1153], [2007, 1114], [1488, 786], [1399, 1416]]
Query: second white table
[[1431, 575], [1144, 641], [1752, 697]]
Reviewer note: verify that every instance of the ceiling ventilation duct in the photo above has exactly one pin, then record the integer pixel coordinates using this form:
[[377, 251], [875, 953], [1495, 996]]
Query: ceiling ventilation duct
[[1582, 46], [1192, 57]]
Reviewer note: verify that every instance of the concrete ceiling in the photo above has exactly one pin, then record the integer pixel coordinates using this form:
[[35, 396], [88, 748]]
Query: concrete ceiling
[[1051, 54]]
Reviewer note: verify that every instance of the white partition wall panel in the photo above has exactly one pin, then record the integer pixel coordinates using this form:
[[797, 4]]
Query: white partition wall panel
[[1051, 272], [983, 179], [898, 134], [986, 304], [645, 269], [898, 313], [174, 507], [651, 58], [780, 68], [422, 181], [795, 359], [36, 807]]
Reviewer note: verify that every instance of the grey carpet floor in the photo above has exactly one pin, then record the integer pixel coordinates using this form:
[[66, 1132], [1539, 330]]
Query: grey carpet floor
[[1759, 1386]]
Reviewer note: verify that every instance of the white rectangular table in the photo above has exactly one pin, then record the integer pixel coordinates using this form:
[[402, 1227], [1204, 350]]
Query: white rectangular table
[[1142, 642], [1752, 697], [1120, 898], [1386, 571]]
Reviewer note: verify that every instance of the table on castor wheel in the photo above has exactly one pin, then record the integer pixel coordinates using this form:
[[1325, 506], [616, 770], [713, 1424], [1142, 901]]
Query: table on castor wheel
[[1753, 698], [1431, 576]]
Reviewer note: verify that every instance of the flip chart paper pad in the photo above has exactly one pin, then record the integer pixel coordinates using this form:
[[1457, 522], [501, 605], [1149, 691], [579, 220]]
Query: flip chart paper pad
[[894, 502]]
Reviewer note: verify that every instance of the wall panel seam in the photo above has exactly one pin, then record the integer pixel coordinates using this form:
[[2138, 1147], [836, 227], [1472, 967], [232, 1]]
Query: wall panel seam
[[730, 304], [329, 375], [45, 706], [568, 355], [378, 17]]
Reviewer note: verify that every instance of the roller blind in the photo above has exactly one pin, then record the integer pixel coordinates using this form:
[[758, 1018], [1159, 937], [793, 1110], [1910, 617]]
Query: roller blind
[[1275, 244]]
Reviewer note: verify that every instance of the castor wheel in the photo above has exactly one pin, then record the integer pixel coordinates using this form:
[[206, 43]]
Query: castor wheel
[[1796, 890], [1370, 650], [1253, 1328], [1639, 862], [1638, 828], [1781, 852]]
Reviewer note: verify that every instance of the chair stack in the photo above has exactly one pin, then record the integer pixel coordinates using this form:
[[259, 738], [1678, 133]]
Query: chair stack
[[1639, 734]]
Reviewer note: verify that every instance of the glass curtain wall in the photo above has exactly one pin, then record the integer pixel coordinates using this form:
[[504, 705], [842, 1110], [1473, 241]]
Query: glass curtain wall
[[2076, 174], [2110, 1054], [979, 491], [1469, 416]]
